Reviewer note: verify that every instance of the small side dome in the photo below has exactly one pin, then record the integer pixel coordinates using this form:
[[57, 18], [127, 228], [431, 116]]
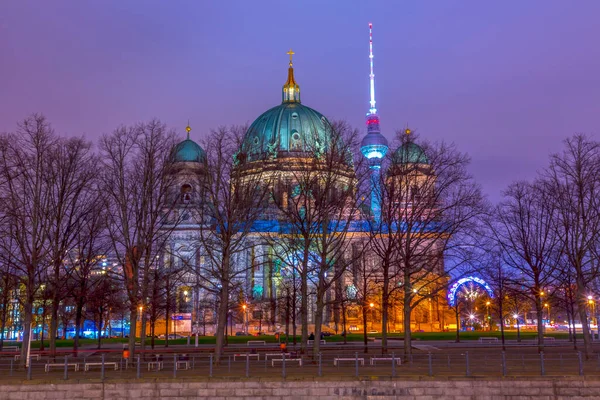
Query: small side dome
[[410, 153], [188, 150]]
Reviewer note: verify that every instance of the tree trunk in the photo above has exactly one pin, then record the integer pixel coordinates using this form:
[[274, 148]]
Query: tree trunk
[[5, 302], [53, 325], [581, 306], [221, 322], [287, 316], [152, 333], [43, 325], [456, 311], [294, 300], [364, 317], [407, 331], [540, 323], [384, 311], [167, 315], [318, 322], [100, 321], [304, 301], [501, 315], [344, 332], [55, 307], [27, 321], [133, 311], [78, 316]]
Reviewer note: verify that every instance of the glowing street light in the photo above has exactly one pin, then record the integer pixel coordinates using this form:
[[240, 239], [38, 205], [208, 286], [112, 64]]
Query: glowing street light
[[487, 306], [244, 307], [516, 317]]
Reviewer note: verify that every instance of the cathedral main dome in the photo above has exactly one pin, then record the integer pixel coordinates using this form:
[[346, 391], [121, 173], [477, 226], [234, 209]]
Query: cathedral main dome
[[290, 129]]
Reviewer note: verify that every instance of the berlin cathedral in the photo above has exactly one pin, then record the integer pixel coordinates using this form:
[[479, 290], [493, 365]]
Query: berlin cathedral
[[280, 144]]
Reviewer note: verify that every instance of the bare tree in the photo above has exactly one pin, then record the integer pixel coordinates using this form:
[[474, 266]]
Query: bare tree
[[573, 181], [523, 227], [70, 173], [231, 204], [26, 209], [317, 203], [89, 246], [135, 164], [101, 299], [365, 278], [434, 222], [8, 286]]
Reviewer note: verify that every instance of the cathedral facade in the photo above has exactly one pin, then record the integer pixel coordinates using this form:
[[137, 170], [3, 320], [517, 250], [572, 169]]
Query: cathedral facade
[[287, 148]]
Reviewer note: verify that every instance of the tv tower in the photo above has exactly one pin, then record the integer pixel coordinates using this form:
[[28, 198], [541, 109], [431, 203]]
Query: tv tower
[[374, 145]]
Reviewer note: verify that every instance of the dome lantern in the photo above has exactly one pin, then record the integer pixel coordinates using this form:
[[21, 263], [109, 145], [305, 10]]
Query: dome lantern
[[291, 90]]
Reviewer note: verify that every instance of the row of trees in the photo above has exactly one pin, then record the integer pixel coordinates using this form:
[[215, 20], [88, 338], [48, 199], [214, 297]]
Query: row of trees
[[65, 205], [544, 236]]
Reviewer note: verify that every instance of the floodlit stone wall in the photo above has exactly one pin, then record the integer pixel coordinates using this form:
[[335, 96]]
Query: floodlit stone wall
[[422, 389]]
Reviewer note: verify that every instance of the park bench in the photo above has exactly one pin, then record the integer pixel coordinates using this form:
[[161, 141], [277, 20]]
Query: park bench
[[256, 342], [182, 364], [158, 365], [374, 360], [273, 361], [10, 348], [246, 355], [87, 365], [61, 365], [549, 338], [322, 341], [488, 339], [277, 355], [337, 360], [31, 357], [126, 345]]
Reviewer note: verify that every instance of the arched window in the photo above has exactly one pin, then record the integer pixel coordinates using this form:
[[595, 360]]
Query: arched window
[[186, 194]]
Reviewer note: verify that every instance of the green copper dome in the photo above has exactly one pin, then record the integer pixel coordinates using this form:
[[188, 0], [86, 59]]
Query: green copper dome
[[287, 130], [410, 153], [189, 151]]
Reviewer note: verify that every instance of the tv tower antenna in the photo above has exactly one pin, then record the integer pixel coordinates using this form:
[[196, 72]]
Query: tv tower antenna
[[373, 110]]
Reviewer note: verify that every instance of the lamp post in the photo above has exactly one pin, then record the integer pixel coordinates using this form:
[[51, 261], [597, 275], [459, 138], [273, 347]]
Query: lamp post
[[516, 317], [245, 316], [487, 307], [141, 309], [471, 319], [591, 307], [371, 306]]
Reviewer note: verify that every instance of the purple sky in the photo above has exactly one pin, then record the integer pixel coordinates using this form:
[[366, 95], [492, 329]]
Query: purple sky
[[505, 80]]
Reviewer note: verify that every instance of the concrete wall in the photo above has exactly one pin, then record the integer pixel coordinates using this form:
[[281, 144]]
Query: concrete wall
[[530, 388]]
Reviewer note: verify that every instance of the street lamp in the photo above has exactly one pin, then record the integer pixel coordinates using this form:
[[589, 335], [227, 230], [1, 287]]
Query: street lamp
[[371, 306], [591, 306], [244, 307], [471, 318], [516, 317], [487, 306]]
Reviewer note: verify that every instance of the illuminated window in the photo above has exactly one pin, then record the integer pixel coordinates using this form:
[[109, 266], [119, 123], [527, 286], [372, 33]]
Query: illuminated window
[[186, 194]]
